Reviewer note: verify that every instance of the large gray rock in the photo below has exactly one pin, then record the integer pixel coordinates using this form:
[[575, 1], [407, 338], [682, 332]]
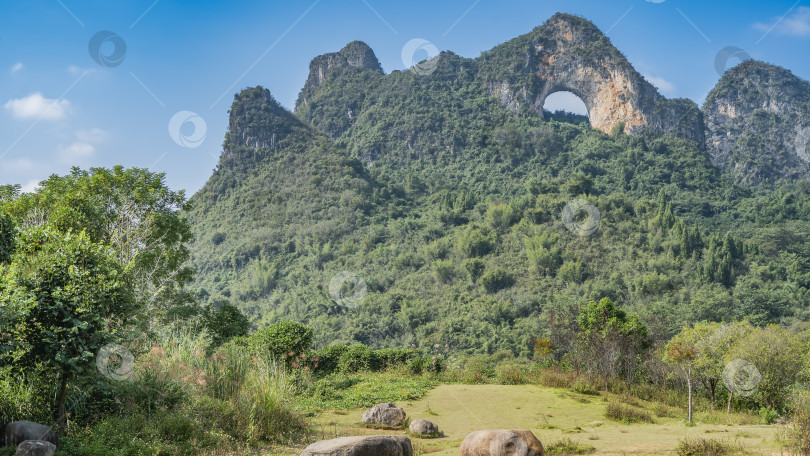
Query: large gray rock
[[35, 448], [423, 427], [385, 414], [377, 445], [501, 442], [20, 431]]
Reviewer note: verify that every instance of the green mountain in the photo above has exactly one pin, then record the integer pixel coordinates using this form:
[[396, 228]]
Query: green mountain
[[441, 205]]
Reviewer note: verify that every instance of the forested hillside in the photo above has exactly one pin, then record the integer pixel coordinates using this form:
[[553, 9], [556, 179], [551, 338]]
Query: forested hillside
[[446, 211]]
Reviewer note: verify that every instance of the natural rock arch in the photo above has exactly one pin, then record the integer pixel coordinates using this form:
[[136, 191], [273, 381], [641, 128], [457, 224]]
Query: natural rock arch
[[568, 53]]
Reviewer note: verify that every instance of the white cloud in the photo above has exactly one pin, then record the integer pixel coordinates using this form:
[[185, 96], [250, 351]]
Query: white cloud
[[662, 84], [76, 152], [93, 135], [16, 67], [17, 165], [35, 106], [83, 148], [30, 186], [796, 24]]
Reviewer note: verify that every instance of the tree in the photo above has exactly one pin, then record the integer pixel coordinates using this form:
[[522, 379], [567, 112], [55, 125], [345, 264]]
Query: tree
[[62, 298], [609, 341], [777, 354], [683, 351], [130, 210], [224, 321]]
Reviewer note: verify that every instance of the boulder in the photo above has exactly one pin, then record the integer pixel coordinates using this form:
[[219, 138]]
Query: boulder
[[385, 414], [376, 445], [20, 431], [35, 448], [423, 427], [499, 442]]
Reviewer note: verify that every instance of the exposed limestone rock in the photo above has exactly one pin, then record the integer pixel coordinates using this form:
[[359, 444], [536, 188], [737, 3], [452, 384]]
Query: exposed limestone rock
[[568, 53], [378, 445], [20, 431], [35, 448], [498, 442], [758, 123], [385, 415], [356, 54]]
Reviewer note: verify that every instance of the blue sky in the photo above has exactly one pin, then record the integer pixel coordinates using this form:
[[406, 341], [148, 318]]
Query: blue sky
[[162, 102]]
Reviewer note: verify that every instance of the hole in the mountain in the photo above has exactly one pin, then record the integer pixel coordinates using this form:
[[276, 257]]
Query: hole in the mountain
[[565, 106]]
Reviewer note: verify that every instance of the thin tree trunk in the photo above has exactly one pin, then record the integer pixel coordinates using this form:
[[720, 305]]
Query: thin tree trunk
[[689, 384], [60, 402], [728, 407]]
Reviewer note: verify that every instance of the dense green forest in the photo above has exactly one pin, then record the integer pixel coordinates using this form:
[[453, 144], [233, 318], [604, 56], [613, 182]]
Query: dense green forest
[[456, 225]]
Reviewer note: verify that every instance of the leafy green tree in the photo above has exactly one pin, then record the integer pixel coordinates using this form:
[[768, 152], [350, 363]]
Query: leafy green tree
[[285, 341], [610, 342], [777, 354], [130, 210], [62, 298], [224, 322]]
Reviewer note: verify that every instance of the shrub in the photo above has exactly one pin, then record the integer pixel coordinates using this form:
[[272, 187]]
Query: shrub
[[474, 267], [768, 415], [443, 270], [286, 341], [496, 279], [798, 435], [567, 446], [327, 359], [583, 386], [556, 378], [358, 358], [426, 363], [509, 374], [698, 446], [626, 413]]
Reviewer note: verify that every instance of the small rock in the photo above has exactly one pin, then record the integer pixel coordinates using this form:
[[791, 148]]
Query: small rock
[[423, 427], [376, 445], [780, 421], [385, 414], [499, 442], [35, 448], [20, 431]]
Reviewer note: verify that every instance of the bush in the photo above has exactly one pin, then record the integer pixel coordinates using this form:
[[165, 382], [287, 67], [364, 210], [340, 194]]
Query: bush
[[698, 446], [626, 413], [496, 279], [359, 358], [286, 341], [327, 359], [224, 322], [509, 374], [426, 363], [798, 435], [768, 415], [443, 270], [567, 446], [583, 386], [556, 378]]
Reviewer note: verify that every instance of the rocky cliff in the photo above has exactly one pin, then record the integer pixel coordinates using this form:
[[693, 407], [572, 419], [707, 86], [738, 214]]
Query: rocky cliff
[[569, 53], [758, 123]]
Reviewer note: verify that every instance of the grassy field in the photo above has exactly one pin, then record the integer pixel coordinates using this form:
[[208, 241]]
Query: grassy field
[[552, 414]]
